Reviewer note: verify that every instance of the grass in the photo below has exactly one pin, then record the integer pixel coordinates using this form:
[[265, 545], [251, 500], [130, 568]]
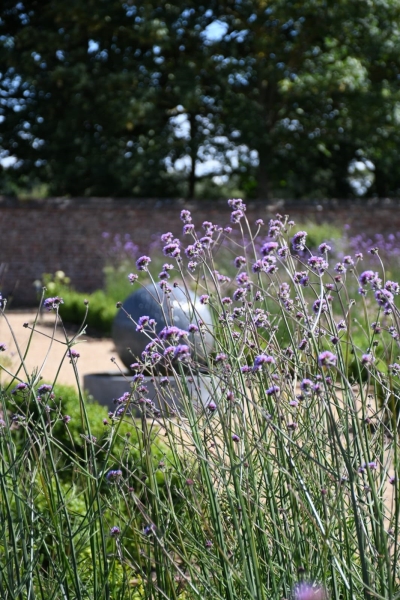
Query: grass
[[282, 485]]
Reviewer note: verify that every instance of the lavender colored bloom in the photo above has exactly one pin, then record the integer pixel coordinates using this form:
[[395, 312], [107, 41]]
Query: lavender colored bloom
[[115, 531], [308, 591], [186, 217], [169, 351], [236, 215], [340, 268], [204, 299], [171, 332], [318, 263], [132, 277], [142, 263], [299, 241], [3, 347], [172, 250], [192, 265], [239, 261], [221, 357], [163, 275], [384, 298], [324, 247], [283, 252], [226, 300], [393, 287], [53, 303], [45, 389], [242, 278], [273, 390], [237, 203], [303, 344], [306, 386], [367, 277], [182, 352], [142, 322], [320, 306], [228, 230], [348, 261], [212, 407], [206, 241], [274, 227], [367, 359], [193, 328], [247, 369], [113, 476], [327, 359], [268, 248], [239, 294], [235, 437], [192, 251], [66, 419], [261, 360], [20, 387], [259, 223], [257, 267], [166, 238], [73, 354]]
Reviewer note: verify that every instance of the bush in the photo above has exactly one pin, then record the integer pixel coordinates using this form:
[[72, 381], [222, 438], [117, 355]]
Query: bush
[[283, 483]]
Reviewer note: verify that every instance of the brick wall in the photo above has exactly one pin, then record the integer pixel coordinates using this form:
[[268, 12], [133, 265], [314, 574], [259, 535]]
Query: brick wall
[[66, 234]]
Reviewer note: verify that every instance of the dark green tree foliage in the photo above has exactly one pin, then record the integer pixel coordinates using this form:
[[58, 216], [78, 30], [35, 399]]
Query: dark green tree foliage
[[88, 98], [315, 82], [129, 98]]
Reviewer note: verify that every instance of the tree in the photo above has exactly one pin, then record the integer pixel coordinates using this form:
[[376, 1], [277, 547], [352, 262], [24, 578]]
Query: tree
[[309, 75]]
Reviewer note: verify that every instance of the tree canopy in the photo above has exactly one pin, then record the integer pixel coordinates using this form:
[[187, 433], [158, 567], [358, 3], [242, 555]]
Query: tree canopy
[[123, 98]]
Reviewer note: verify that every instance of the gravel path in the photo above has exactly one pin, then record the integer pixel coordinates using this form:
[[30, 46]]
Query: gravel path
[[95, 353]]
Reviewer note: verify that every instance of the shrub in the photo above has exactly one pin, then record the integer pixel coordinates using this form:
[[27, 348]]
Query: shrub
[[283, 483]]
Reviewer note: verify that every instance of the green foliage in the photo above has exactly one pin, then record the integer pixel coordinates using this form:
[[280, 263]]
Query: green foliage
[[129, 99]]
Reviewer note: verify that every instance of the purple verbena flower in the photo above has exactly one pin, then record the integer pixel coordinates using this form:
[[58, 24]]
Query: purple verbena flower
[[166, 238], [239, 294], [299, 241], [273, 390], [236, 215], [53, 303], [269, 247], [172, 250], [367, 359], [182, 352], [261, 360], [367, 277], [142, 263], [20, 387], [114, 475], [237, 203], [3, 347], [324, 247], [239, 261], [306, 386], [186, 216], [204, 299], [45, 389], [115, 531], [327, 359], [308, 591], [132, 277]]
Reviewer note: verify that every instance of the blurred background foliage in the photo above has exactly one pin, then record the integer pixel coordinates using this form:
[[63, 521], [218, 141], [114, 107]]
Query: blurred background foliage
[[283, 98]]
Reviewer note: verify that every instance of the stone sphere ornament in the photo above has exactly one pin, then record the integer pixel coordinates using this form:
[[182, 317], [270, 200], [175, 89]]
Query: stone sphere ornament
[[174, 309]]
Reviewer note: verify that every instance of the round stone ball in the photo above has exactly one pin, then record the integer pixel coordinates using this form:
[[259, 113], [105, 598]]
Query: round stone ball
[[173, 310]]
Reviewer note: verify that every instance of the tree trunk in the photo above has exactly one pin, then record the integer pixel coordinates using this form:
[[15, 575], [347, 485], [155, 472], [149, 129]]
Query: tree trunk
[[193, 157]]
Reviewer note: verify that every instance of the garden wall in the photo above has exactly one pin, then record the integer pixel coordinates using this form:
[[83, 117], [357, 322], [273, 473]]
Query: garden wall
[[66, 234]]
